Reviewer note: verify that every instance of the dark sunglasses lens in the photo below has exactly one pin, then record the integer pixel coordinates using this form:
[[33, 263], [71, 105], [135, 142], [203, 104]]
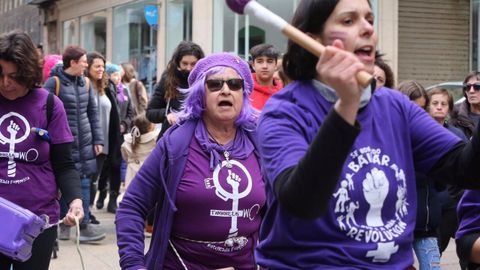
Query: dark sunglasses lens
[[235, 84], [214, 85], [467, 86]]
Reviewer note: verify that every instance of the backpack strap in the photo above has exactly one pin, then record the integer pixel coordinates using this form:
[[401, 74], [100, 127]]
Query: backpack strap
[[49, 107], [57, 85], [87, 83]]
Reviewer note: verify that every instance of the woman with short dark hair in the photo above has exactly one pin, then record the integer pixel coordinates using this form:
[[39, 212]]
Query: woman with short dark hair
[[67, 81], [29, 125], [383, 73]]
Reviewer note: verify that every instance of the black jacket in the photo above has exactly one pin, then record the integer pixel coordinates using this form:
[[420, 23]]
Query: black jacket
[[429, 210], [126, 111], [82, 114], [157, 107], [115, 139]]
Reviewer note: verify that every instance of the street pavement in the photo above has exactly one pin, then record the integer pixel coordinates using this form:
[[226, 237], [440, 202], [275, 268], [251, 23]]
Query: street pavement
[[103, 255]]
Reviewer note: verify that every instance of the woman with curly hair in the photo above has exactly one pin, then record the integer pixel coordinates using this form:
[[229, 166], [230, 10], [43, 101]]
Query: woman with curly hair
[[110, 159]]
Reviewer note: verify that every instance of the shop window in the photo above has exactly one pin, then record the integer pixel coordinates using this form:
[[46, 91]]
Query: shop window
[[374, 4], [93, 32], [255, 36], [69, 32], [475, 36], [178, 24], [239, 41], [135, 41], [258, 32]]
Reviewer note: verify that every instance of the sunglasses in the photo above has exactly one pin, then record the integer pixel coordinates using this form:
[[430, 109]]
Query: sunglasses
[[217, 85], [468, 86]]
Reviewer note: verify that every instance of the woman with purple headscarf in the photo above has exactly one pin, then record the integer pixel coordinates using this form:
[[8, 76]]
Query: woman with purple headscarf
[[204, 176]]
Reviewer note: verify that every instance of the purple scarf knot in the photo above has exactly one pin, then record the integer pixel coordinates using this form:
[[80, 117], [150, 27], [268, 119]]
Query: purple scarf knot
[[239, 148]]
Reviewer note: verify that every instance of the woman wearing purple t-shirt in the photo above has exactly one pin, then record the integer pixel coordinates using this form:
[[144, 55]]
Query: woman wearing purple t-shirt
[[34, 165], [204, 176], [339, 160]]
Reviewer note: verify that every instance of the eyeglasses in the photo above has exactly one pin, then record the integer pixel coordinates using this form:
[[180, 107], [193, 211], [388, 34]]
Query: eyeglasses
[[217, 85], [468, 86]]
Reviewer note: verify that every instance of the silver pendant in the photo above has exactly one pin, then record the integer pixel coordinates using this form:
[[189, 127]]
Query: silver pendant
[[226, 154]]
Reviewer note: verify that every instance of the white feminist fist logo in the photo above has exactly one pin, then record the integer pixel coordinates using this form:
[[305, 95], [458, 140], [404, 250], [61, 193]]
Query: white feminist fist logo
[[234, 181], [12, 129], [375, 190]]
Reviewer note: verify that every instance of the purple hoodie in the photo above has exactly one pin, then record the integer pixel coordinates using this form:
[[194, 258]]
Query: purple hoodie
[[155, 183]]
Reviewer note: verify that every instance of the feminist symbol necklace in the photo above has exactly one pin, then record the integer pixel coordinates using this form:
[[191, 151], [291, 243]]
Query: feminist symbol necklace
[[226, 154]]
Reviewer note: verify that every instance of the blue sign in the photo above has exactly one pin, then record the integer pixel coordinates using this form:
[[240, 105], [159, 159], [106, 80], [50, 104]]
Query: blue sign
[[151, 15]]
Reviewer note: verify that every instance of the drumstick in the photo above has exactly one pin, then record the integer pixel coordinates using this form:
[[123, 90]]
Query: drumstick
[[255, 9]]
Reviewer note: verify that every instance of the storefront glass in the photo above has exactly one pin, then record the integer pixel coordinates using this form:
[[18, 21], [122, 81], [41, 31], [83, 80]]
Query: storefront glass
[[178, 24], [247, 31], [70, 35], [234, 33], [475, 36], [135, 41], [93, 32]]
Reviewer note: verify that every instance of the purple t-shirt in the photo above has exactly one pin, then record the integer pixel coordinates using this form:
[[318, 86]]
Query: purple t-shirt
[[218, 213], [26, 175], [468, 212], [371, 214]]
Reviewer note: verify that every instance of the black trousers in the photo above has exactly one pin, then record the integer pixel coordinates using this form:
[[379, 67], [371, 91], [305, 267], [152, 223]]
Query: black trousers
[[41, 253], [447, 228], [110, 172], [464, 249]]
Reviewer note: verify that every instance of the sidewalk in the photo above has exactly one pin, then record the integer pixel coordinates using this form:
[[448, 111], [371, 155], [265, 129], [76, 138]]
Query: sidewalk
[[104, 254], [101, 255]]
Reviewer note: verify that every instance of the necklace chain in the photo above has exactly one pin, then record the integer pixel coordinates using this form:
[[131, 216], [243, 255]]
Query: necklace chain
[[213, 138], [226, 154]]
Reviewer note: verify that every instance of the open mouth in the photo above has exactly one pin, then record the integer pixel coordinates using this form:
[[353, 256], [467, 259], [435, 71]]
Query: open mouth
[[225, 103], [366, 51]]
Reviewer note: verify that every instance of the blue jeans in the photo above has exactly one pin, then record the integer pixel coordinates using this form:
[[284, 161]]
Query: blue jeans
[[85, 201], [123, 170], [427, 252]]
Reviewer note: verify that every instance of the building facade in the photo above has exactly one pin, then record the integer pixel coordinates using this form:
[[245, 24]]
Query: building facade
[[430, 41], [16, 14]]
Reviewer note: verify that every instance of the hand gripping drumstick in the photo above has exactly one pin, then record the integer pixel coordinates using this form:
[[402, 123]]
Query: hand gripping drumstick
[[255, 9]]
